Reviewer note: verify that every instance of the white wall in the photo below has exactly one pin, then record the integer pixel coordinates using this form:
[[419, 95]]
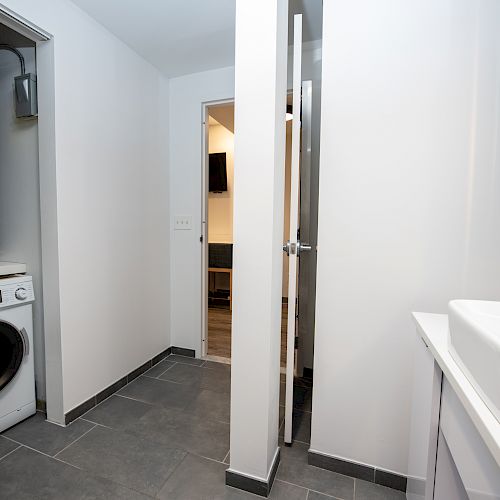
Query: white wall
[[409, 213], [111, 175], [187, 94], [20, 196], [257, 268], [220, 205]]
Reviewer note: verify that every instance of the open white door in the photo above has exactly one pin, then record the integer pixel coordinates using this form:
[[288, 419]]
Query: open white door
[[292, 247]]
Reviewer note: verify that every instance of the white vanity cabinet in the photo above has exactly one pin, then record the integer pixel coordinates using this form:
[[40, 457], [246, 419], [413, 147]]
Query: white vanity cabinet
[[426, 397], [478, 470], [454, 438]]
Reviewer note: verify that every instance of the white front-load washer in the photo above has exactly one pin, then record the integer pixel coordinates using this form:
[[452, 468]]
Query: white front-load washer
[[17, 373]]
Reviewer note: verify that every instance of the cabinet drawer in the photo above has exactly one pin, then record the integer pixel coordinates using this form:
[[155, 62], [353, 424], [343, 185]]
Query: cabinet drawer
[[478, 469]]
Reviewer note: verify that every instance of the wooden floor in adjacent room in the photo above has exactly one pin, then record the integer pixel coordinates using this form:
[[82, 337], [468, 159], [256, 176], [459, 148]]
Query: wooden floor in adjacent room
[[219, 332]]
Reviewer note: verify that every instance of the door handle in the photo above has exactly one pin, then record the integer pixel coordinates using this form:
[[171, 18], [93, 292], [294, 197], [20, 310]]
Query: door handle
[[290, 248], [296, 248], [303, 247]]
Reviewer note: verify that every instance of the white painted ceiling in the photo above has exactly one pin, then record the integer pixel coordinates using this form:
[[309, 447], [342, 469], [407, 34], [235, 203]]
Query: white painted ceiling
[[13, 38], [184, 36]]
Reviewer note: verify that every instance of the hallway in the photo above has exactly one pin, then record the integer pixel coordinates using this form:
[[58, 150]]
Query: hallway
[[164, 435]]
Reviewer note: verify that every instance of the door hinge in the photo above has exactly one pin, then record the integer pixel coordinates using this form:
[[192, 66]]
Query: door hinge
[[296, 342], [201, 239]]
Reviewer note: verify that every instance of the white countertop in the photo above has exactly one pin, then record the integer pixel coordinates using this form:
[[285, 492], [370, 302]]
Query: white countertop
[[433, 329]]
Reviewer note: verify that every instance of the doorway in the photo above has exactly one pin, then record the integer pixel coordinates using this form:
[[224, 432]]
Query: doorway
[[218, 229], [20, 213], [218, 178], [43, 203]]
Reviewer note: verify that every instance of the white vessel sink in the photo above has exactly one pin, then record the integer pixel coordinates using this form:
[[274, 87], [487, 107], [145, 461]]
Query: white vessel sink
[[474, 344]]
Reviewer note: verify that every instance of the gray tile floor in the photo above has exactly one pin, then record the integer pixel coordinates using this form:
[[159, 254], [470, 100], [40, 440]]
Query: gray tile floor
[[165, 435]]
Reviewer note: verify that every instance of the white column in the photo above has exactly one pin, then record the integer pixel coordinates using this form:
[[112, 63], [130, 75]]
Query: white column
[[260, 106]]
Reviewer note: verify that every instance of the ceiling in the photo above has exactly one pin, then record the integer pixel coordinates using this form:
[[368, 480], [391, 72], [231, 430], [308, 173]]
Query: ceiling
[[312, 19], [222, 115], [13, 38], [184, 36], [176, 36]]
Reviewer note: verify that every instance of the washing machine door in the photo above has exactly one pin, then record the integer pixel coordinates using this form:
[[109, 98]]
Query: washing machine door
[[13, 347]]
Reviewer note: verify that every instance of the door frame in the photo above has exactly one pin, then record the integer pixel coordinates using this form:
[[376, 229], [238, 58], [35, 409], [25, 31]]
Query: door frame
[[204, 217], [45, 69]]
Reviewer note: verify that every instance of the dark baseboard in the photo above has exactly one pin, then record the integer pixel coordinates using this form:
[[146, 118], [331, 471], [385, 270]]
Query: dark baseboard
[[252, 485], [359, 471], [116, 386], [181, 351]]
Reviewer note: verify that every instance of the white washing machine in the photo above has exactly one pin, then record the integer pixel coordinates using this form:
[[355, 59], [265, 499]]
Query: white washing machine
[[17, 373]]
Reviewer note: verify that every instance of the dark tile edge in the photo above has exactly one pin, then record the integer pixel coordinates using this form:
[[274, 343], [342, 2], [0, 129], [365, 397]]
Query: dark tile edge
[[182, 351], [114, 387], [391, 480], [344, 467], [358, 471], [252, 485], [138, 371], [161, 356]]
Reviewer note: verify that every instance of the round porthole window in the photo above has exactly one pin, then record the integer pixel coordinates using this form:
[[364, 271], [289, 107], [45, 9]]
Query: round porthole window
[[11, 353]]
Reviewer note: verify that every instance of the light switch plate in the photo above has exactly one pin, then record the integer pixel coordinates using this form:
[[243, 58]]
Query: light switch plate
[[183, 223]]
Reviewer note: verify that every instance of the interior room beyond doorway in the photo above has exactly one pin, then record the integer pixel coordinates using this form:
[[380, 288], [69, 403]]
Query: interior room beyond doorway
[[220, 173], [220, 178]]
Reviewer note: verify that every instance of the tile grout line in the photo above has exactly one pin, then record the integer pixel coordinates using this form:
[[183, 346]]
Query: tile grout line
[[227, 454], [117, 393], [308, 489], [169, 368], [166, 379], [354, 490], [92, 474], [44, 454], [96, 404], [22, 445], [86, 471], [187, 357], [145, 374], [96, 423], [206, 458], [11, 451], [77, 439], [13, 440], [138, 400], [173, 470]]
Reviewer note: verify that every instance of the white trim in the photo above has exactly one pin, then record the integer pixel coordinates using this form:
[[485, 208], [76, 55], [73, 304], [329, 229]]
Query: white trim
[[294, 224], [45, 69], [204, 232], [22, 25]]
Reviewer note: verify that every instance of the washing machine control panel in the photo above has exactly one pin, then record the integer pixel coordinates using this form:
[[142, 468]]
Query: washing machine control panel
[[16, 290]]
